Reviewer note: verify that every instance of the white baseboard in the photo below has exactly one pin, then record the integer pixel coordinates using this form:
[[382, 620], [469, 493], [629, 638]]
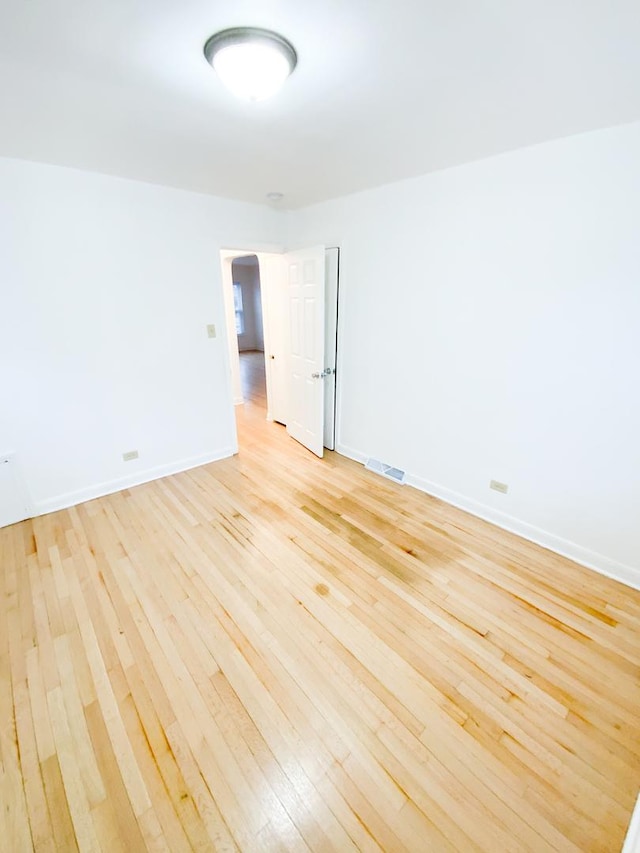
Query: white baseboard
[[350, 453], [99, 490], [565, 548]]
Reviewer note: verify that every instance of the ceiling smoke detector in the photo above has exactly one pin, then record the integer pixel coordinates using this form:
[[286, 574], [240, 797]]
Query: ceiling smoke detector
[[251, 62]]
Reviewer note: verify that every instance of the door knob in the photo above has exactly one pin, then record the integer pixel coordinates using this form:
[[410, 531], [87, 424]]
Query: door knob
[[326, 372]]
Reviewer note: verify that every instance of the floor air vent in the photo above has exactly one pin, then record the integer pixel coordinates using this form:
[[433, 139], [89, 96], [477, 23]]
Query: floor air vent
[[388, 471]]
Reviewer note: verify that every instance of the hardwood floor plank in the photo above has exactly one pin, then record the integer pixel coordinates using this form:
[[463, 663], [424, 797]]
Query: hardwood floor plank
[[64, 834], [15, 826], [116, 823], [76, 794]]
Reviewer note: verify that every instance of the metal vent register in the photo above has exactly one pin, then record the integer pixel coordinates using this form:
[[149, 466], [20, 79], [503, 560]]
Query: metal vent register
[[395, 474]]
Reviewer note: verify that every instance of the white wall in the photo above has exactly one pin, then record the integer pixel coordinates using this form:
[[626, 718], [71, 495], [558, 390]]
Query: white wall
[[106, 288], [490, 328], [257, 315]]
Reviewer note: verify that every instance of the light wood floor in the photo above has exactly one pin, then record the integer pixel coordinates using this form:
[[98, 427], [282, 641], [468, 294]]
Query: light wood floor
[[252, 377], [275, 652]]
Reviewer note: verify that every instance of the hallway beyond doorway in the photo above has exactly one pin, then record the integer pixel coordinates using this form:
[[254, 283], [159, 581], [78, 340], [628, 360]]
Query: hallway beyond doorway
[[252, 378]]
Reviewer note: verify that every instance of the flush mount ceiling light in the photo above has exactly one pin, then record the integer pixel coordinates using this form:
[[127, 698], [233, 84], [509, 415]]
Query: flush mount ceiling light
[[252, 63]]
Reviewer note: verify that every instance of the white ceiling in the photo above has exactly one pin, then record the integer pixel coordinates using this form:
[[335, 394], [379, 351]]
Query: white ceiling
[[383, 90]]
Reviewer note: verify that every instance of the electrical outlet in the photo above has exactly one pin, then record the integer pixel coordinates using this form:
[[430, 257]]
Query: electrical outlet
[[129, 455], [499, 487], [211, 330]]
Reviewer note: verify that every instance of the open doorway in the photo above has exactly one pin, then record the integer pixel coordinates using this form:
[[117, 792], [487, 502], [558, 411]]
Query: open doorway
[[263, 358], [247, 304]]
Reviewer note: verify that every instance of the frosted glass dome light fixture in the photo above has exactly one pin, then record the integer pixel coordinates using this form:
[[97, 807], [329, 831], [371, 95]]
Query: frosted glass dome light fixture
[[252, 63]]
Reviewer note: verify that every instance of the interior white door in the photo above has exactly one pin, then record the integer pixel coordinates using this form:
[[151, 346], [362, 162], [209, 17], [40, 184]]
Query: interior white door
[[305, 274]]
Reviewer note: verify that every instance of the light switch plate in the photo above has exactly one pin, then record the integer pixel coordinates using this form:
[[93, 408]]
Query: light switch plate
[[211, 330]]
